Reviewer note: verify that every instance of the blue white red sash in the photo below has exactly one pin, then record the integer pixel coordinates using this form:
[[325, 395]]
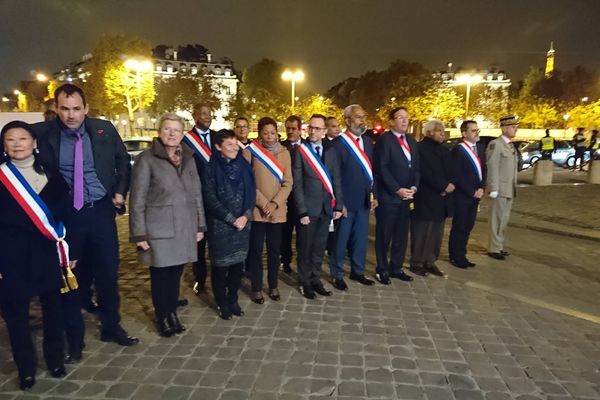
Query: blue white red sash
[[320, 169], [36, 209], [405, 148], [195, 143], [475, 160], [267, 159], [358, 154]]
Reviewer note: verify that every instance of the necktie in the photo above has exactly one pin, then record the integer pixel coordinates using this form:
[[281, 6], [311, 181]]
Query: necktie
[[78, 173], [475, 149], [205, 139], [318, 149], [358, 142]]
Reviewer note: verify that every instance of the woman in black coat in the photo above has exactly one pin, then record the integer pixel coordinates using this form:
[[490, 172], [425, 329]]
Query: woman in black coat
[[30, 262]]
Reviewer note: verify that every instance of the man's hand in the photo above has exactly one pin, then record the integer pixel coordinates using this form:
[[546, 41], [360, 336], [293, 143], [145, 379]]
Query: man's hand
[[450, 188], [305, 220], [73, 264], [240, 223], [337, 215], [144, 245], [405, 193], [344, 212], [118, 200], [493, 195], [269, 208], [374, 204], [478, 193], [199, 236]]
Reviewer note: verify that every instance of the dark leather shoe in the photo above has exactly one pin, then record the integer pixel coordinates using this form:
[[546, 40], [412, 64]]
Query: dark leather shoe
[[182, 302], [363, 280], [497, 256], [27, 382], [236, 310], [257, 298], [175, 323], [457, 264], [286, 268], [504, 253], [402, 276], [198, 288], [434, 270], [307, 292], [119, 336], [163, 327], [320, 289], [383, 279], [224, 313], [58, 372], [470, 264], [339, 284], [90, 306], [73, 357], [418, 270], [274, 294]]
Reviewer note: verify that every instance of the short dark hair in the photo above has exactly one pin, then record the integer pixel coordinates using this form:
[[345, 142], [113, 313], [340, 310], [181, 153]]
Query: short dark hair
[[324, 118], [240, 119], [69, 90], [19, 125], [330, 118], [222, 135], [264, 121], [295, 118], [199, 105], [465, 124], [393, 111]]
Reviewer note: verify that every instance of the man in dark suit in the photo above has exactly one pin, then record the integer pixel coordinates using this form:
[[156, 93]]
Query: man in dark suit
[[355, 153], [468, 162], [433, 201], [202, 113], [91, 156], [315, 204], [396, 182], [293, 130]]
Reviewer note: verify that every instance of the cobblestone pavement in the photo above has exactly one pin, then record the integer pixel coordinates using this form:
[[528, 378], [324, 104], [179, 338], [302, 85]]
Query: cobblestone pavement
[[527, 328]]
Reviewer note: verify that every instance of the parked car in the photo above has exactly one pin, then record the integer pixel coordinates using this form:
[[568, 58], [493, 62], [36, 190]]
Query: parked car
[[136, 146], [563, 155]]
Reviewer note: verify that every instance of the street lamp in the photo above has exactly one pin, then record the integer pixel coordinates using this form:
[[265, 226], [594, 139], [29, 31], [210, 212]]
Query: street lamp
[[293, 76], [41, 77], [468, 80]]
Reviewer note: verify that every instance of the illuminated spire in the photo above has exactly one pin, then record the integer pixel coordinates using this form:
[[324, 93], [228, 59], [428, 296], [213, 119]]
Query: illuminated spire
[[550, 61]]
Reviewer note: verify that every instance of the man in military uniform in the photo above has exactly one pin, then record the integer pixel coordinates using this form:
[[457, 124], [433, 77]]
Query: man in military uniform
[[547, 146], [502, 164]]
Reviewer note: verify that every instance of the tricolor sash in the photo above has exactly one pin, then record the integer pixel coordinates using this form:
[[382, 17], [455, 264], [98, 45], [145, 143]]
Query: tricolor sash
[[195, 143], [475, 160], [358, 154], [320, 169], [267, 159], [40, 215], [405, 148]]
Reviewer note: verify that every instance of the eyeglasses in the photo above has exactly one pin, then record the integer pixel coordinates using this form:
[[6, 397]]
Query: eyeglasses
[[315, 128], [171, 130]]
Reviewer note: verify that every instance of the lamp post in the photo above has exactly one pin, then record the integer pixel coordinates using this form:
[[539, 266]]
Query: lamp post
[[293, 76], [468, 80]]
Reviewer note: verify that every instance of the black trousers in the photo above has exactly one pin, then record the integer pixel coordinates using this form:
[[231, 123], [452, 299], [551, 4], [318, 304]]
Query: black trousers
[[73, 321], [425, 242], [85, 282], [226, 282], [393, 222], [465, 213], [16, 314], [286, 235], [199, 267], [579, 154], [92, 232], [258, 233], [312, 241], [164, 285]]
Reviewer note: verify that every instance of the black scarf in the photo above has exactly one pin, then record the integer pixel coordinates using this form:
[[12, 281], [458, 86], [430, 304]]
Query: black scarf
[[230, 173]]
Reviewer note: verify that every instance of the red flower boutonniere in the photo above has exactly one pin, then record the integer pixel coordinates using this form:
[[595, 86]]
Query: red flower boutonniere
[[100, 131]]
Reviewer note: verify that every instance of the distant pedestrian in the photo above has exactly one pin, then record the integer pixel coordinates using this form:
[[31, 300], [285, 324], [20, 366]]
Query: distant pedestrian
[[502, 164], [580, 148], [547, 146], [594, 146]]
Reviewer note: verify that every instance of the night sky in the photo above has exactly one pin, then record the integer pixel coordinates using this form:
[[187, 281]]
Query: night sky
[[330, 39]]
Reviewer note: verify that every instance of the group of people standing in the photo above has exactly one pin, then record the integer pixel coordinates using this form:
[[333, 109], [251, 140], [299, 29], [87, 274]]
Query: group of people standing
[[63, 181]]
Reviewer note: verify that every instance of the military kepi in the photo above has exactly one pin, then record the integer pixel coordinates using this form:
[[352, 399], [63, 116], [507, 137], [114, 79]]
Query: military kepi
[[509, 120]]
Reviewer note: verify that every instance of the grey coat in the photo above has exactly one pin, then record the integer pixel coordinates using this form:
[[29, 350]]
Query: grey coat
[[502, 167], [166, 207]]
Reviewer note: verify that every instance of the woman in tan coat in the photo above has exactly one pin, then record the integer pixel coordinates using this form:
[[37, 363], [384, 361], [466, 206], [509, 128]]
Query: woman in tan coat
[[272, 168], [166, 217]]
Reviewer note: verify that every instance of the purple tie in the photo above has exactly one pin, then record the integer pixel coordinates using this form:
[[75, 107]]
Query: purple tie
[[78, 173]]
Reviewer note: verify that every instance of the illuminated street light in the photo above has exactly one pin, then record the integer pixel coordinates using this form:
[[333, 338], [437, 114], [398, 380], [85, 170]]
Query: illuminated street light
[[468, 80], [41, 77], [584, 99], [295, 76], [5, 99], [17, 92]]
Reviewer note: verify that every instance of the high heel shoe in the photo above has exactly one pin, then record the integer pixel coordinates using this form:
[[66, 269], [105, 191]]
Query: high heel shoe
[[257, 298], [274, 294], [27, 382], [175, 323], [163, 327]]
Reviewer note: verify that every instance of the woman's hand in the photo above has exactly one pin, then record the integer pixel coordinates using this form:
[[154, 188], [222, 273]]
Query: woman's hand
[[199, 236], [143, 245], [269, 208], [240, 223]]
